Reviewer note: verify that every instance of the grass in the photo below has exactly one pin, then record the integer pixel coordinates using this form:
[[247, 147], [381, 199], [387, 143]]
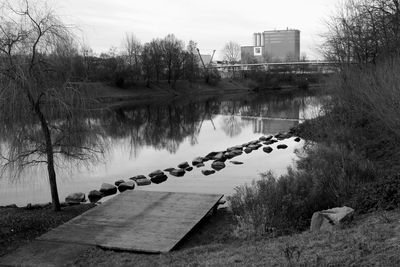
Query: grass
[[19, 225], [368, 241]]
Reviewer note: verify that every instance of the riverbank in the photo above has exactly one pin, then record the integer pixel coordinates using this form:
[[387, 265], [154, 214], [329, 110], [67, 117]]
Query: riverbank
[[371, 239], [183, 91]]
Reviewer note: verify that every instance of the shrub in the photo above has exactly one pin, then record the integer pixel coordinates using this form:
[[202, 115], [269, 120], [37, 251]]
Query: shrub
[[326, 177], [381, 194]]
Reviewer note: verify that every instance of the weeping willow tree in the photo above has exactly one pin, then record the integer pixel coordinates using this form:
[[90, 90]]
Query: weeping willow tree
[[43, 118]]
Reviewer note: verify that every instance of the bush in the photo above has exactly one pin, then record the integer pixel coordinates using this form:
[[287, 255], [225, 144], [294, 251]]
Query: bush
[[326, 177], [382, 194]]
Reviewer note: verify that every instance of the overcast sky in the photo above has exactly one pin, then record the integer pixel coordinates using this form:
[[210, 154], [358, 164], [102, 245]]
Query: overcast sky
[[211, 23]]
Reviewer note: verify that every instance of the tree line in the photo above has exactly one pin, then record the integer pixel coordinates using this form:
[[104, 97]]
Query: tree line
[[160, 59]]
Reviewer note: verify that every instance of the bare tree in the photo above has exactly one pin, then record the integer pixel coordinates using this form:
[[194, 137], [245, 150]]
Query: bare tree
[[232, 52], [362, 31], [43, 116], [133, 50], [173, 56]]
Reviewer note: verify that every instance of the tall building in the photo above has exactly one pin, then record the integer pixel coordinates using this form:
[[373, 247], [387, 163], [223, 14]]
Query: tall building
[[273, 46]]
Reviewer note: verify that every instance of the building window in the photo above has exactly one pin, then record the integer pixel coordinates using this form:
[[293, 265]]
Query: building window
[[257, 51]]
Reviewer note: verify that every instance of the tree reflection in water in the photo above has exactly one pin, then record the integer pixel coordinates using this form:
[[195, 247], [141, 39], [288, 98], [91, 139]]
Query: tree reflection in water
[[160, 126], [165, 127]]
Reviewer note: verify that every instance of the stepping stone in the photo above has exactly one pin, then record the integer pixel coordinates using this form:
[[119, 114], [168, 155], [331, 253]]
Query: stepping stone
[[219, 156], [267, 149], [130, 185], [218, 165], [95, 196], [248, 150], [235, 148], [265, 138], [255, 147], [229, 155], [137, 177], [200, 165], [197, 161], [169, 169], [117, 183], [183, 165], [236, 162], [177, 172], [108, 189], [255, 142], [282, 146], [189, 169], [158, 179], [211, 155], [155, 173], [297, 139], [143, 181], [208, 172]]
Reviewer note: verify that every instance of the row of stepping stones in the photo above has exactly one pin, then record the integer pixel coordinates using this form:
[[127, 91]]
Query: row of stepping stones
[[219, 158]]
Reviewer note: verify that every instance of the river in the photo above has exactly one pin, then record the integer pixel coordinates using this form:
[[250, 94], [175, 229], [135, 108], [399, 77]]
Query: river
[[144, 138]]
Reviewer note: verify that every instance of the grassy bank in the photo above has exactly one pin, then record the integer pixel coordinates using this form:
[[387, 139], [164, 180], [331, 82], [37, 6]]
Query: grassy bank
[[18, 226], [371, 240]]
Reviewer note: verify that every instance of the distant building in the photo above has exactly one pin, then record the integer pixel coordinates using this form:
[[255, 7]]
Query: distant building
[[273, 46]]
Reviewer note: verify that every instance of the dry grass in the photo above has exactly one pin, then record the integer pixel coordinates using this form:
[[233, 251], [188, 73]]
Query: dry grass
[[370, 241], [19, 225]]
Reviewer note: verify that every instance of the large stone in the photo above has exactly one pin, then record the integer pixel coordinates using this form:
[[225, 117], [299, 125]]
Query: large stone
[[267, 149], [130, 185], [189, 169], [297, 139], [169, 169], [183, 165], [207, 172], [155, 173], [117, 183], [158, 179], [75, 198], [95, 196], [108, 189], [200, 165], [143, 181], [282, 146], [197, 161], [331, 219], [218, 165], [177, 172]]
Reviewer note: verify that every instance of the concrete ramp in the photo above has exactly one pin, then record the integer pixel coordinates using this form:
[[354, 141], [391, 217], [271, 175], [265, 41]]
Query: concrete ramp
[[142, 221]]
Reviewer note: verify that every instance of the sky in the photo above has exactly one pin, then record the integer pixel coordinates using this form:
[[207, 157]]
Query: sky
[[211, 23]]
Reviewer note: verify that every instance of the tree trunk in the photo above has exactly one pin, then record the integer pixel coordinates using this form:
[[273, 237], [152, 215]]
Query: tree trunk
[[50, 160]]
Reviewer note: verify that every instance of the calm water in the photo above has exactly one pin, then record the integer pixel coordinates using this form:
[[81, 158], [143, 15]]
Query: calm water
[[141, 139]]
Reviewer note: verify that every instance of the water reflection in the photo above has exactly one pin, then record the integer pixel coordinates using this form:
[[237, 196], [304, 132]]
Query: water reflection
[[140, 139]]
